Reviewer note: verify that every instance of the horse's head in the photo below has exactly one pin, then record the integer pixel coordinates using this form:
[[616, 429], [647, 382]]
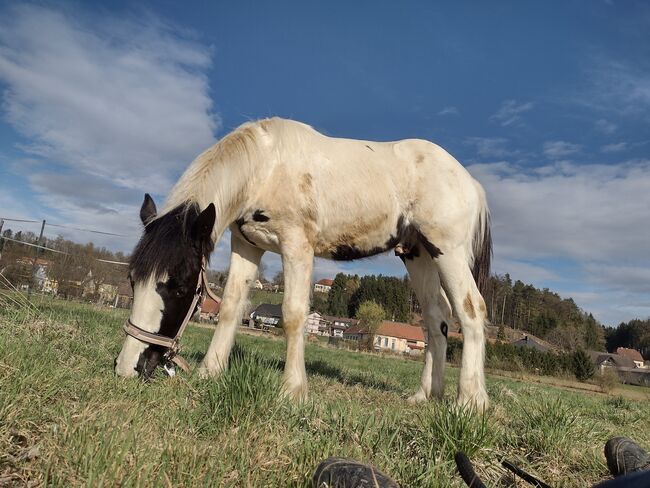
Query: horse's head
[[164, 272]]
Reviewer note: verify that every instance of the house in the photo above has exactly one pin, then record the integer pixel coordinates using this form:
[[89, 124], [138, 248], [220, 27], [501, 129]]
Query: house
[[324, 285], [530, 343], [314, 323], [124, 296], [391, 336], [633, 354], [210, 309], [608, 360], [266, 315], [335, 326]]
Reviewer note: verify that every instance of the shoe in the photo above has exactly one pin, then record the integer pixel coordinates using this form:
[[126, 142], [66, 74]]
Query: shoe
[[625, 456], [336, 472]]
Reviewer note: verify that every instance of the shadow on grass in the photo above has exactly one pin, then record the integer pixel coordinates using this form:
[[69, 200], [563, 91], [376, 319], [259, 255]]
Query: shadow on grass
[[318, 367], [366, 379]]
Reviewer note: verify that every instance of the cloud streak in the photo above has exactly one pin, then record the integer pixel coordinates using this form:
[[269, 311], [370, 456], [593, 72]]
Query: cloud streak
[[120, 105], [510, 112]]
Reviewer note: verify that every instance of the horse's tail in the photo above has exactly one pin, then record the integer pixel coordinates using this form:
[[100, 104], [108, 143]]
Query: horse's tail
[[481, 242]]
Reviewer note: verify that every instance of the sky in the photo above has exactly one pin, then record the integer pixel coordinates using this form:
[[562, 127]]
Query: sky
[[547, 104]]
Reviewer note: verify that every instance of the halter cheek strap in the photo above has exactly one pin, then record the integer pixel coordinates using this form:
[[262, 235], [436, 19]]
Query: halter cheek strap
[[172, 343]]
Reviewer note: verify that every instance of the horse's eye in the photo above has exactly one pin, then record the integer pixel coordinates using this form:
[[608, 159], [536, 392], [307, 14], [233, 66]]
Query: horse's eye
[[180, 291]]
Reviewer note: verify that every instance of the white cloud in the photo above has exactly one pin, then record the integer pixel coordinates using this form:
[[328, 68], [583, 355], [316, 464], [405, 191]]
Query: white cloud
[[605, 126], [612, 148], [595, 216], [558, 149], [489, 147], [121, 105], [618, 87], [510, 112], [449, 111]]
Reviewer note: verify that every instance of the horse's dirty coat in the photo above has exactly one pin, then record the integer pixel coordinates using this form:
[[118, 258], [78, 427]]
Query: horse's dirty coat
[[281, 186]]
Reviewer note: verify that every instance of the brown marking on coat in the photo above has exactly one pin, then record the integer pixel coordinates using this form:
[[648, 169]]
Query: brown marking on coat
[[306, 183], [469, 307], [419, 159], [481, 306]]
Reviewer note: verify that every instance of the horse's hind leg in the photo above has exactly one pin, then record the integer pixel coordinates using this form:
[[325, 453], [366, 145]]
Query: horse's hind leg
[[297, 264], [437, 318], [244, 261], [469, 307]]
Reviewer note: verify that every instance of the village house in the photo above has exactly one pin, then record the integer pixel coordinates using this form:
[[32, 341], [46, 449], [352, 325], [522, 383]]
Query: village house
[[209, 310], [633, 354], [266, 315], [395, 337], [323, 286], [335, 326], [314, 323]]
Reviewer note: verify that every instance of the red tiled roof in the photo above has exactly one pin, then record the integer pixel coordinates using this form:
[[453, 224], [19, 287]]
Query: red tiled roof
[[633, 354], [401, 331], [210, 306], [325, 282], [398, 330]]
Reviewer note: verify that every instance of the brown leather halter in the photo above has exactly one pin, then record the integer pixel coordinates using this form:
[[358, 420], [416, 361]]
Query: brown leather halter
[[173, 343]]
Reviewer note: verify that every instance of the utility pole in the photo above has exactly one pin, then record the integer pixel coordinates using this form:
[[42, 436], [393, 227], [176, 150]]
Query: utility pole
[[2, 241], [39, 243]]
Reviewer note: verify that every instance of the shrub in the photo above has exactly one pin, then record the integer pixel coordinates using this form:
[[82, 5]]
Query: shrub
[[583, 367], [607, 380]]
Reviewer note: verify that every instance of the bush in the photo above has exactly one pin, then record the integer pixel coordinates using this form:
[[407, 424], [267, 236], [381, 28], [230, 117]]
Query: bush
[[607, 380], [583, 367]]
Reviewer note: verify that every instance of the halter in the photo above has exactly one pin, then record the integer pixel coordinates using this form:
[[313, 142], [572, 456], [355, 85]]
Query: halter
[[172, 343]]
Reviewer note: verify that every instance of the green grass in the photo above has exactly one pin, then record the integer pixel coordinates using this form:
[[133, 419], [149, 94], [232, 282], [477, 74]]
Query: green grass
[[66, 420]]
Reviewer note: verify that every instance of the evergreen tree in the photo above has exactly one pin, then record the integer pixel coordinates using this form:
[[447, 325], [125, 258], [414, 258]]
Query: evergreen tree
[[583, 367], [337, 301]]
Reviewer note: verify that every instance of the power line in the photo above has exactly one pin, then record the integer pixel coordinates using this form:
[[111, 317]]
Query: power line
[[61, 252], [86, 230], [19, 220], [92, 231]]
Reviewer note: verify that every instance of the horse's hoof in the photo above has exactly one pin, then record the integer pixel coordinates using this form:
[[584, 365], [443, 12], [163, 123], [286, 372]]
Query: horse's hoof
[[418, 397], [478, 402]]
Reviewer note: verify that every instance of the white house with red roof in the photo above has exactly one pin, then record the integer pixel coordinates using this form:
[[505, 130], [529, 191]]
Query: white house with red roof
[[324, 285], [395, 337]]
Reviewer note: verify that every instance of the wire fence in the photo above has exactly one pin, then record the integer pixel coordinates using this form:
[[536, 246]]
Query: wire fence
[[62, 226]]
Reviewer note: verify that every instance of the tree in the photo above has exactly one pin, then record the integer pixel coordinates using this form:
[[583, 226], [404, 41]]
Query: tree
[[583, 367], [337, 301], [370, 316], [278, 279], [501, 334]]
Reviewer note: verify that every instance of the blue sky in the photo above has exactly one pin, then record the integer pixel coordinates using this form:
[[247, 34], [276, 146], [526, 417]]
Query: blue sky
[[546, 103]]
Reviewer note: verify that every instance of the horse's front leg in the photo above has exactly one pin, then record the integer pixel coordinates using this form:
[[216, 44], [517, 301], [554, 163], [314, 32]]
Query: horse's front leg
[[297, 263], [244, 262]]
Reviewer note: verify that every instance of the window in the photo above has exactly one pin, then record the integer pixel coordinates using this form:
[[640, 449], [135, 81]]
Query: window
[[392, 343], [386, 341]]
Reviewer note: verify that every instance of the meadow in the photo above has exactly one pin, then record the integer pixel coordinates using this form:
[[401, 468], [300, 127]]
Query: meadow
[[66, 420]]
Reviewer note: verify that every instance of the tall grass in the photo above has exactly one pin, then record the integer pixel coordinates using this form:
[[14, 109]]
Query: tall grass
[[66, 420]]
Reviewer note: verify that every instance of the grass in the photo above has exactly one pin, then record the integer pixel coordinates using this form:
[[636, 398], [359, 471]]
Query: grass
[[66, 420]]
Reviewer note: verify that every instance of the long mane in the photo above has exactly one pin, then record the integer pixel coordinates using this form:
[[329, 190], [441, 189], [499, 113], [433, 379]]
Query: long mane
[[220, 175]]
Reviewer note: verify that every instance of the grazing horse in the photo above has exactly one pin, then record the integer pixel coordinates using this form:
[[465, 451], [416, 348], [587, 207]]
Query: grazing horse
[[281, 186]]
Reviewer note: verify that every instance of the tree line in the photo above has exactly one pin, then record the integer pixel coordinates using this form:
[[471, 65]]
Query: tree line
[[72, 270], [634, 334]]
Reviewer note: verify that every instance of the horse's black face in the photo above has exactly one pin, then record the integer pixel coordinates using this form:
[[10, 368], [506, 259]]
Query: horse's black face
[[164, 272]]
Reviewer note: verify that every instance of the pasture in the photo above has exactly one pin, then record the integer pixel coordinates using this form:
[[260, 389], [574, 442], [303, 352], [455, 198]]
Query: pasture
[[67, 420]]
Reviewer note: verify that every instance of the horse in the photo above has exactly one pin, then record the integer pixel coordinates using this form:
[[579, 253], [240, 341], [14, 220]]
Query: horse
[[281, 186]]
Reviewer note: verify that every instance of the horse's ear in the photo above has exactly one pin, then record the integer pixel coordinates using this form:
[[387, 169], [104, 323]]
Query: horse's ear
[[202, 228], [148, 210]]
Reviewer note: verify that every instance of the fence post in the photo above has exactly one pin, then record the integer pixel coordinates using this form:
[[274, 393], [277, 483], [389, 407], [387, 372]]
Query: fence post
[[2, 241], [39, 243]]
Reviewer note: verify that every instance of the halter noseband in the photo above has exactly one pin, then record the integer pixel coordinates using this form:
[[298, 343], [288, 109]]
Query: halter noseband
[[172, 343]]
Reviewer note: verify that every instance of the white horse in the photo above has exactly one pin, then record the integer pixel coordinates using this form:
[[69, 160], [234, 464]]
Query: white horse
[[281, 186]]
